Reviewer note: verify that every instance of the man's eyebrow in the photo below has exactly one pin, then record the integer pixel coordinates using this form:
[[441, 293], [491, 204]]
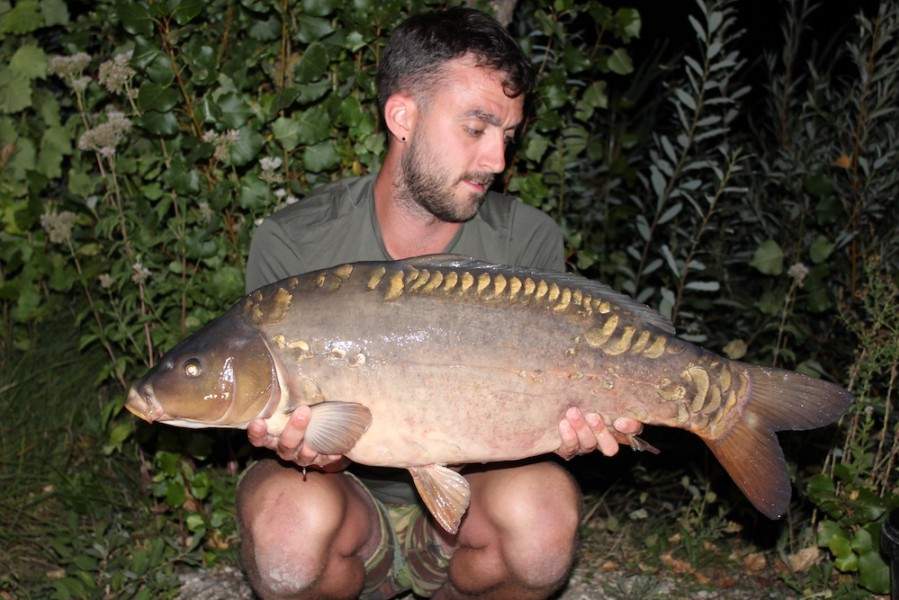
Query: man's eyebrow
[[487, 117]]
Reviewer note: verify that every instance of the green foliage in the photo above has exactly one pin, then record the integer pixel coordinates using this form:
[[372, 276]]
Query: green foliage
[[859, 487], [140, 143]]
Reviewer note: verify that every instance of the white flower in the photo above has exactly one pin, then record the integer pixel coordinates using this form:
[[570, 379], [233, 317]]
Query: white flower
[[115, 75], [58, 226], [140, 273], [106, 280], [206, 213], [270, 163], [798, 272]]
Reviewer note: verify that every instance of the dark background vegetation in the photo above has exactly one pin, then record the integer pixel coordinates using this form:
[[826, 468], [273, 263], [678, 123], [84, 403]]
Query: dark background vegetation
[[736, 171]]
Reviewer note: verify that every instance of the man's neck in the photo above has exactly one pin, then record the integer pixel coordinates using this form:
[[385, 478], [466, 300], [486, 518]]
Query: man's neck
[[408, 231]]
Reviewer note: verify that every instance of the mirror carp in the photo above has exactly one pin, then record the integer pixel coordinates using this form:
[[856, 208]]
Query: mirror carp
[[444, 360]]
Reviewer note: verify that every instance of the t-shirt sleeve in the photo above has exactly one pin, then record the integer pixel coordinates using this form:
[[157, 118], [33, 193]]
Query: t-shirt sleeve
[[272, 256]]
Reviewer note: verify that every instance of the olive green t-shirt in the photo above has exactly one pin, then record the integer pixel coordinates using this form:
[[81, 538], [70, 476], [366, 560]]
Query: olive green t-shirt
[[337, 224]]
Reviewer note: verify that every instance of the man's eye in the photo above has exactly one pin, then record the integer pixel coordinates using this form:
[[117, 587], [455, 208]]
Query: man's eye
[[475, 132]]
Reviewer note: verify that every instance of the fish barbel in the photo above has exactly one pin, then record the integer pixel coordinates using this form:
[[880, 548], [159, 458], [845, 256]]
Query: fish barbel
[[443, 360]]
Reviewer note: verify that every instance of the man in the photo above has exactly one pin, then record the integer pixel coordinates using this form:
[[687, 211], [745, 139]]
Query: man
[[451, 91]]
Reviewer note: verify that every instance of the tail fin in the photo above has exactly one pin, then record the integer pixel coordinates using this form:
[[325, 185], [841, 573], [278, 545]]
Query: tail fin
[[777, 400]]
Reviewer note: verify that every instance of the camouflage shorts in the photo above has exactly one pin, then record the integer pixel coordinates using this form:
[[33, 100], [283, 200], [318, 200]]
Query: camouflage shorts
[[410, 557]]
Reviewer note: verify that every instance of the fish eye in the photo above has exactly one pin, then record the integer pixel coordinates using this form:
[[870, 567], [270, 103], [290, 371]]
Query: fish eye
[[192, 367]]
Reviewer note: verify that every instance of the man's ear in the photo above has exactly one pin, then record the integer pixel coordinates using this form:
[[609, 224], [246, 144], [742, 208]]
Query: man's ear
[[400, 113]]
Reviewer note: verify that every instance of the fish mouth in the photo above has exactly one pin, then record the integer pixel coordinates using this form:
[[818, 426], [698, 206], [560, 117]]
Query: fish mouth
[[144, 405]]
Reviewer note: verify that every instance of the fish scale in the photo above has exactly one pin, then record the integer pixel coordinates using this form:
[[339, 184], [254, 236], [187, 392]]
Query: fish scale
[[444, 360]]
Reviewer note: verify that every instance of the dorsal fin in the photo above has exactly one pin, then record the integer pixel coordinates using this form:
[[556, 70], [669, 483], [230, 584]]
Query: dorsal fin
[[622, 301]]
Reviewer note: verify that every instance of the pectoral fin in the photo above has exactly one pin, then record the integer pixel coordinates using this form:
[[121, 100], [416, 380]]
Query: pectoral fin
[[335, 427], [445, 493]]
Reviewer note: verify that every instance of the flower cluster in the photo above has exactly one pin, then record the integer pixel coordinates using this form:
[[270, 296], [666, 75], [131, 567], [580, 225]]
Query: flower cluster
[[139, 273], [70, 68], [222, 142], [798, 272], [116, 75], [106, 281], [58, 225], [105, 137], [269, 170]]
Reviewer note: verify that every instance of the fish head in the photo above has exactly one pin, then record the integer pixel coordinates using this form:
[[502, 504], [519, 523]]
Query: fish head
[[221, 376]]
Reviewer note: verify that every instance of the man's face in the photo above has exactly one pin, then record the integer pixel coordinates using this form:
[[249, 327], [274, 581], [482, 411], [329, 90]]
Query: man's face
[[459, 142]]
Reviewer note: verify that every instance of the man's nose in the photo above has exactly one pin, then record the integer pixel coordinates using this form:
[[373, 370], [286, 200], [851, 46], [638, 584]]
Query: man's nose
[[493, 155]]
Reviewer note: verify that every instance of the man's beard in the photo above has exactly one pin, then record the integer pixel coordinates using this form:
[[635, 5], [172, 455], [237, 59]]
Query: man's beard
[[425, 185]]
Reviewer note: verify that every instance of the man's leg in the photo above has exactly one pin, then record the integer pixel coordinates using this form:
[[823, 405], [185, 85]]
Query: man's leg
[[304, 536], [518, 538]]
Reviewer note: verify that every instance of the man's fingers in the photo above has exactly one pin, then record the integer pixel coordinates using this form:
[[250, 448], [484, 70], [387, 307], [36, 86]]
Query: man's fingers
[[605, 440]]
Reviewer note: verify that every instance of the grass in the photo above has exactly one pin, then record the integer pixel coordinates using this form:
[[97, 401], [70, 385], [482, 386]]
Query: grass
[[80, 517]]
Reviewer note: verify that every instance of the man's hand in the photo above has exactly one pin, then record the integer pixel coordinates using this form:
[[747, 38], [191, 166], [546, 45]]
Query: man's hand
[[582, 434], [289, 445]]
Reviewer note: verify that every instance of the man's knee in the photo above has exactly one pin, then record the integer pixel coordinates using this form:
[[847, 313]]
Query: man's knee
[[533, 513], [288, 523], [541, 499]]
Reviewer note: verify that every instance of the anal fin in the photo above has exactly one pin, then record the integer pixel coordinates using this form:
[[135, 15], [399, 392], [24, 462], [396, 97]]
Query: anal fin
[[335, 427], [445, 492]]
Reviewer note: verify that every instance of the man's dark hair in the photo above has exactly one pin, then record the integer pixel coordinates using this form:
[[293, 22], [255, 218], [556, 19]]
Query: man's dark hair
[[420, 47]]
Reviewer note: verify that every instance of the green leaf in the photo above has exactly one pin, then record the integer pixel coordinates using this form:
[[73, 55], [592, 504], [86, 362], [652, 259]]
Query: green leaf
[[25, 17], [254, 194], [120, 433], [55, 12], [596, 95], [319, 8], [175, 494], [15, 91], [140, 561], [135, 17], [235, 111], [187, 10], [284, 99], [85, 563], [313, 29], [202, 62], [194, 522], [874, 572], [313, 65], [629, 21], [818, 185], [620, 62], [55, 144], [267, 30], [247, 147], [536, 148], [160, 98], [287, 132], [159, 68], [847, 562], [768, 258], [157, 123], [321, 157], [821, 249], [29, 61]]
